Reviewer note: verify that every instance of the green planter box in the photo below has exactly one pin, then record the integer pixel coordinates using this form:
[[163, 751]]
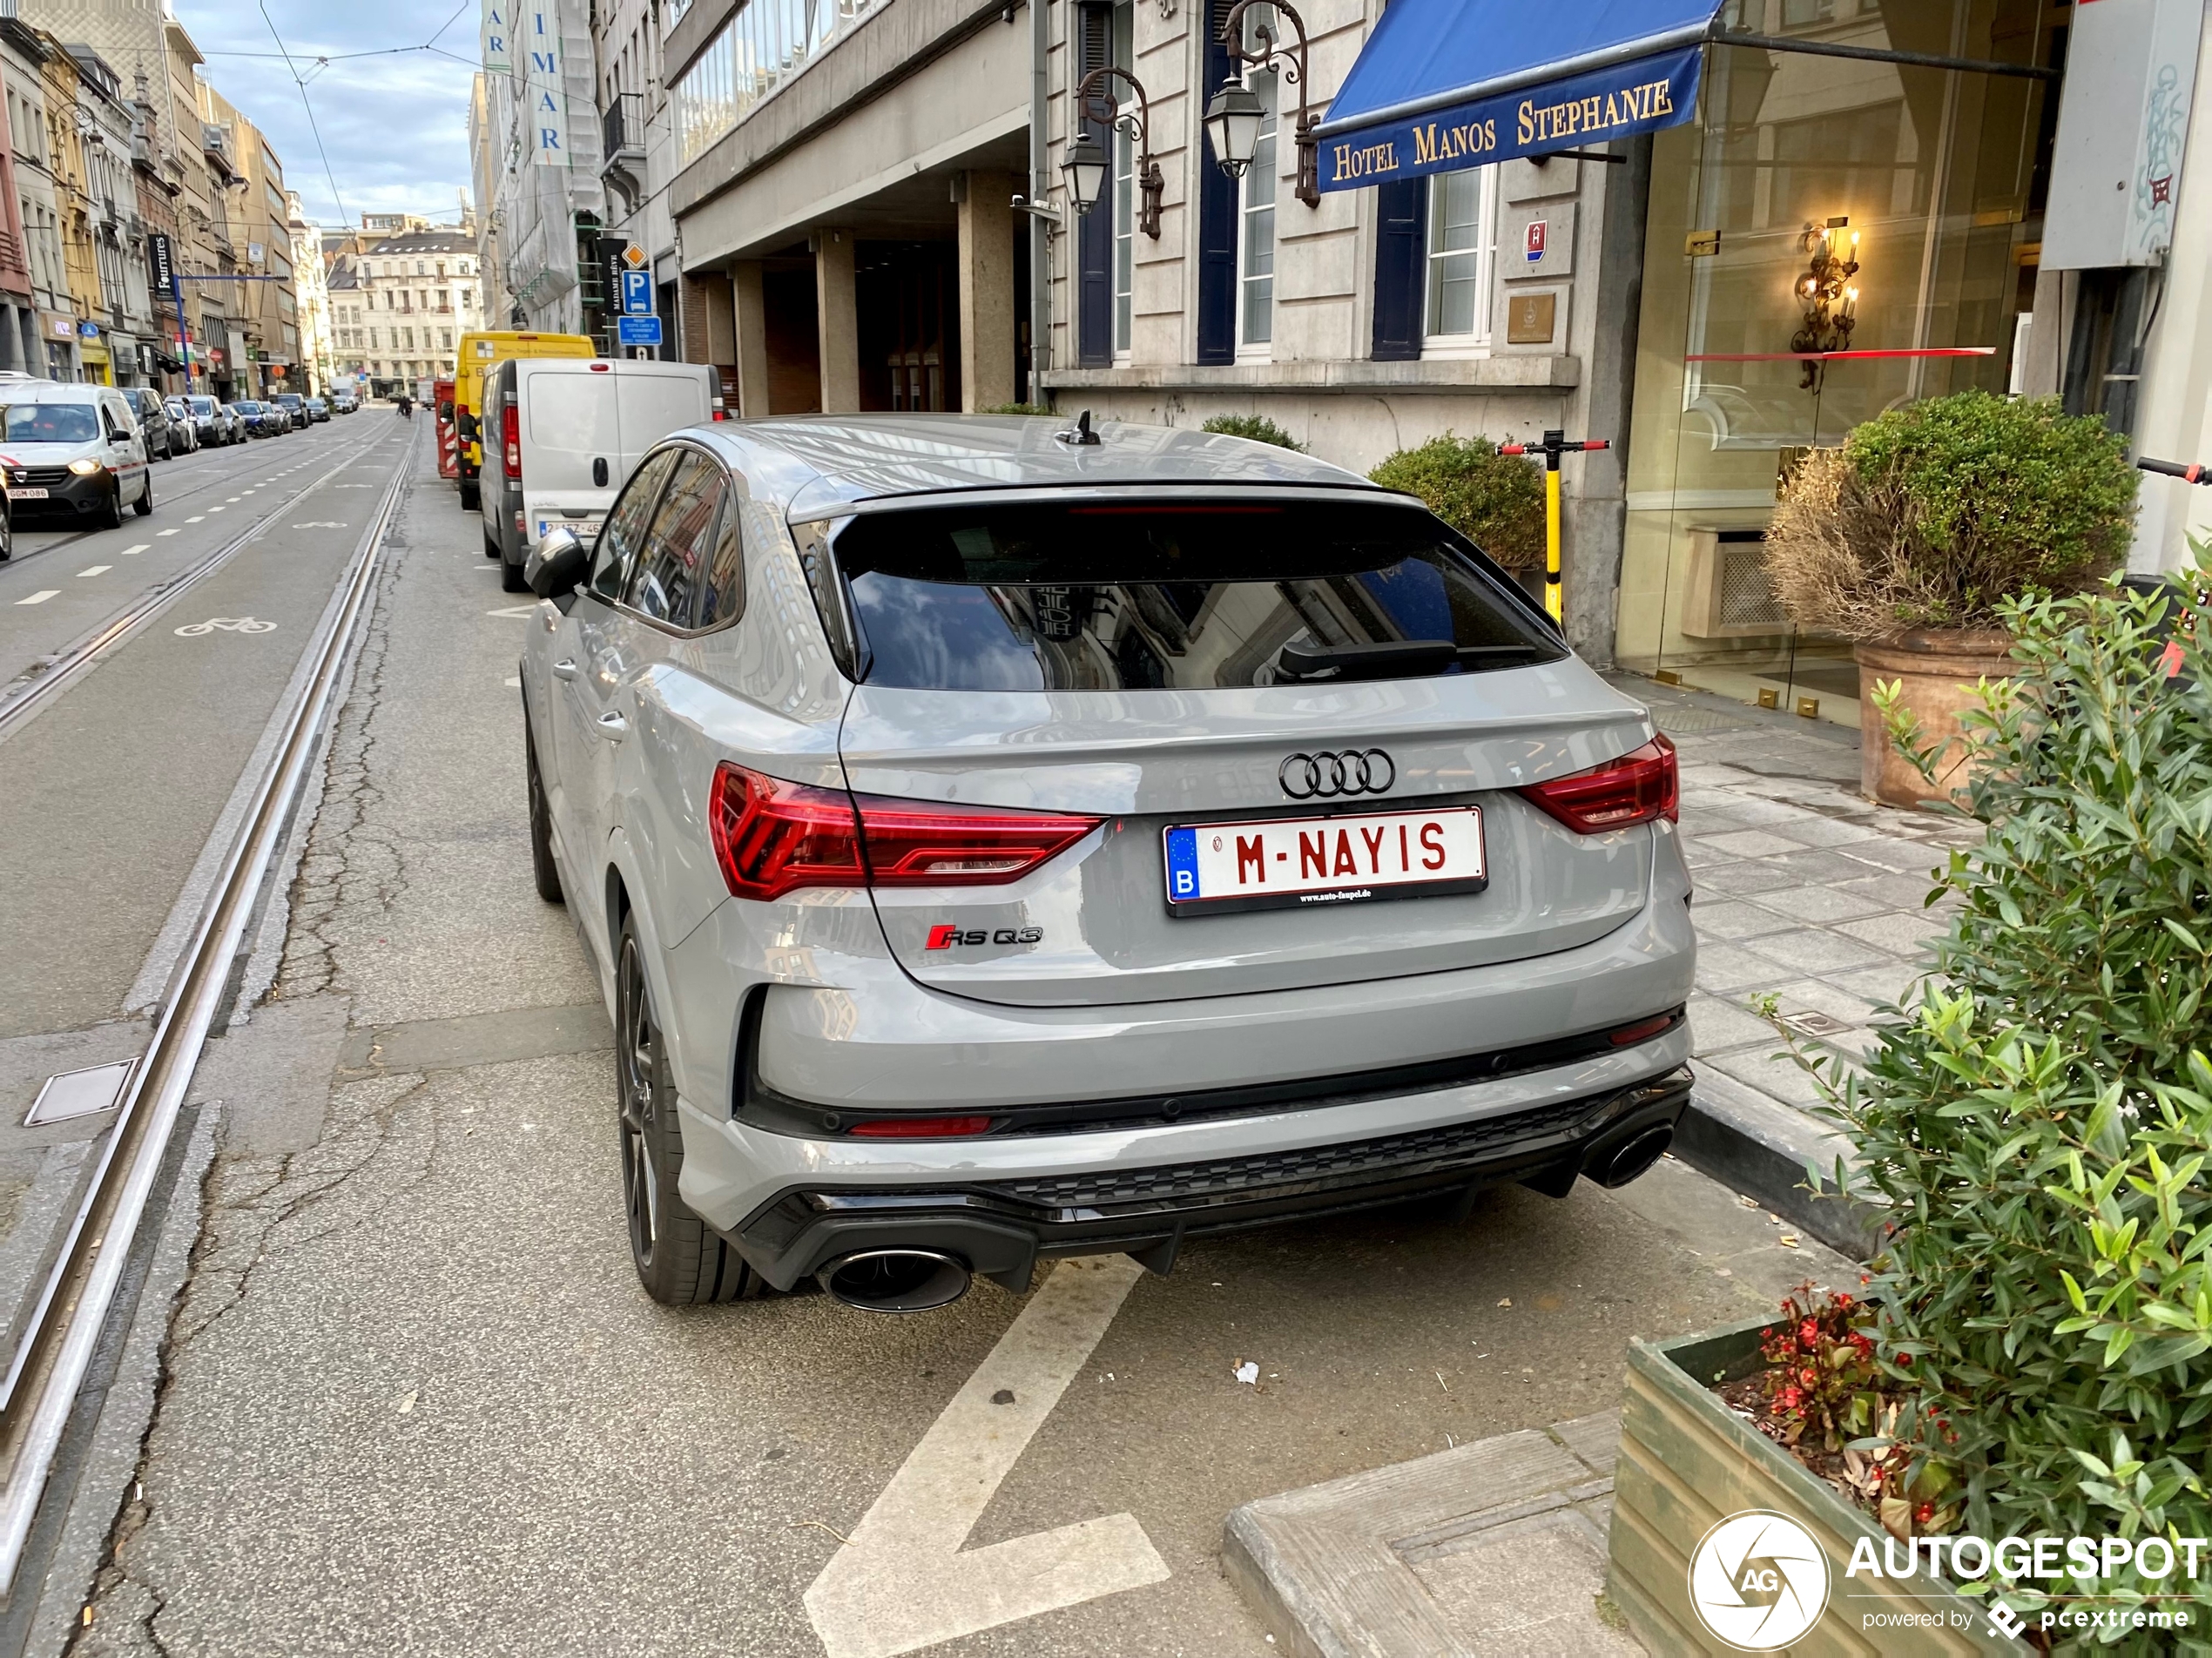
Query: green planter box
[[1687, 1462]]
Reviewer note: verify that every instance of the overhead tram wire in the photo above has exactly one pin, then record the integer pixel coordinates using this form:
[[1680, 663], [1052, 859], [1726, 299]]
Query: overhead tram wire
[[344, 217]]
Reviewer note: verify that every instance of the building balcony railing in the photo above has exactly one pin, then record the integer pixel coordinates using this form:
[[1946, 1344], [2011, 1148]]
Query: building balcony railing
[[623, 128]]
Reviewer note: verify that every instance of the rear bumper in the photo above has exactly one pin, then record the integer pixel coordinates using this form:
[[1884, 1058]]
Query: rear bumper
[[1001, 1228]]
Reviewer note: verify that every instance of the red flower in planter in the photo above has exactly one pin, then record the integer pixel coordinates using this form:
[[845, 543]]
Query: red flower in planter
[[1822, 1380]]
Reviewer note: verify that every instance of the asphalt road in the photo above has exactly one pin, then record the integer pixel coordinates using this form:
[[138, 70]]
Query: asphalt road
[[415, 1402], [115, 785]]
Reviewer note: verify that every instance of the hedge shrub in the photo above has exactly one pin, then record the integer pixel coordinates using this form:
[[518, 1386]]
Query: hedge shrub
[[1495, 500], [1258, 428], [2039, 1121]]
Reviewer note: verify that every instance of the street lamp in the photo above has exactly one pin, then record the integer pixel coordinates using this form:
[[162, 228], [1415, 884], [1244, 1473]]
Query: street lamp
[[1234, 118], [1085, 161]]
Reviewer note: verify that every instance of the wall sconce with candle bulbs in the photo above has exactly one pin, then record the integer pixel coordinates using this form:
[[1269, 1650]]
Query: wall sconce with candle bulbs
[[1830, 301]]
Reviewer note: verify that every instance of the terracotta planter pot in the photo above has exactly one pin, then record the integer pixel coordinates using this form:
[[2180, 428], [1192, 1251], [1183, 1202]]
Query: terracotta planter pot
[[1687, 1462], [1939, 671]]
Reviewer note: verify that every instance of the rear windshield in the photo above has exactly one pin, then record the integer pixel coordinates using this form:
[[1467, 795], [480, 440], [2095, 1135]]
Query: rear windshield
[[50, 422], [1069, 597]]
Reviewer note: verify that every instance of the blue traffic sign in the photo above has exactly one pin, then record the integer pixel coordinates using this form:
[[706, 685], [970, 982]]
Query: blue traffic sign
[[637, 294], [638, 331]]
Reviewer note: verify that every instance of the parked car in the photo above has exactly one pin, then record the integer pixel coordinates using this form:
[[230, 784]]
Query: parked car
[[153, 417], [73, 449], [1138, 726], [295, 409], [318, 410], [561, 435], [344, 403], [184, 432], [262, 420], [219, 424]]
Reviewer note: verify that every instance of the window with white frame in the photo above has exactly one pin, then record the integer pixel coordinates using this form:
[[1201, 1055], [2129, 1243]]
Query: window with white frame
[[1256, 231], [1459, 257]]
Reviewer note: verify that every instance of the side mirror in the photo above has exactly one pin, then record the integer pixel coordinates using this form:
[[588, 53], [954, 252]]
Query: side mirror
[[556, 564], [465, 424]]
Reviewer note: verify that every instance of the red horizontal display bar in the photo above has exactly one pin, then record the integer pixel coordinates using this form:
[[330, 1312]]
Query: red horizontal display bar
[[1838, 356]]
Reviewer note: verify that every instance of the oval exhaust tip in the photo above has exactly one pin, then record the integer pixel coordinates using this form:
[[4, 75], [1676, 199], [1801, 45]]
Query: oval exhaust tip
[[1634, 1158], [895, 1280]]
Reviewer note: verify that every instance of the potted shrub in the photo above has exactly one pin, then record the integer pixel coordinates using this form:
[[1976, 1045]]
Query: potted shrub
[[1909, 538], [2037, 1128], [1495, 500]]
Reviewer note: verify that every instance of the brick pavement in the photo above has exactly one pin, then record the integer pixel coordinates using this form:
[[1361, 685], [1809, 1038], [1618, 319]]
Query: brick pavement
[[1806, 890]]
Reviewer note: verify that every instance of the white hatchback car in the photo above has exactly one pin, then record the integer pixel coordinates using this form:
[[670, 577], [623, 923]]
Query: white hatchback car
[[72, 449]]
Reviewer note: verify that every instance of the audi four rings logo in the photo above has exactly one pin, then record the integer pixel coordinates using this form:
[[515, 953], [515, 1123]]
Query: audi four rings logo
[[1325, 777]]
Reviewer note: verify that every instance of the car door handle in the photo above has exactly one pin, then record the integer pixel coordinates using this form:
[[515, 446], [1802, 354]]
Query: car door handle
[[565, 668], [613, 726]]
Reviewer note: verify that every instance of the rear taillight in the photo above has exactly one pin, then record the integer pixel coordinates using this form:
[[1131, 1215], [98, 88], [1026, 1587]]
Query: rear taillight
[[771, 837], [920, 1127], [511, 439], [1638, 787]]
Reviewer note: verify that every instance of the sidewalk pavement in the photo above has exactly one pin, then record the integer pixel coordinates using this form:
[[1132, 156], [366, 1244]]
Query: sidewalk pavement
[[1806, 890]]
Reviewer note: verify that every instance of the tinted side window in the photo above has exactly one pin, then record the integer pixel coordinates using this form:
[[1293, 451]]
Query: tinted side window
[[722, 598], [666, 582], [623, 536]]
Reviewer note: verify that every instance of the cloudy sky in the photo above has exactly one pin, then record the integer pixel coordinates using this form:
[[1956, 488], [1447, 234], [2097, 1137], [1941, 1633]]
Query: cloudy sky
[[395, 125]]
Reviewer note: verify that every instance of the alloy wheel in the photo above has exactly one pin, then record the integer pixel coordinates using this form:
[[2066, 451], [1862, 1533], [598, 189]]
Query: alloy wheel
[[638, 1053]]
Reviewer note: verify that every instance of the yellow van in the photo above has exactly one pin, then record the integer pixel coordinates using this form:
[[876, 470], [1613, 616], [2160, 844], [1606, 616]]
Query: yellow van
[[480, 354]]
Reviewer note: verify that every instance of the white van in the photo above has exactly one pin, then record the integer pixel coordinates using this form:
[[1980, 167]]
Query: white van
[[575, 428], [74, 451]]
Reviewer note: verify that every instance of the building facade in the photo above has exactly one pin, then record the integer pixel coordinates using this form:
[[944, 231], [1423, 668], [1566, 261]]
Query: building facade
[[255, 218], [537, 149], [399, 308], [867, 208]]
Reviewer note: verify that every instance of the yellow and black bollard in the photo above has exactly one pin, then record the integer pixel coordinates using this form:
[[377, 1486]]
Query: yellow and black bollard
[[1551, 448]]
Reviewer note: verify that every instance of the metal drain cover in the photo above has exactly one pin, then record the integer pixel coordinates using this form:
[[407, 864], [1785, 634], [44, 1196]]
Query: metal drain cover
[[80, 1093]]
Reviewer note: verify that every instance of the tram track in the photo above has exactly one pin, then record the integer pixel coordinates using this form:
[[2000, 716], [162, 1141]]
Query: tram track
[[51, 1357]]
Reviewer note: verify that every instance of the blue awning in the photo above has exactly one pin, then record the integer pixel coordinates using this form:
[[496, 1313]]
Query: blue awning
[[1443, 84]]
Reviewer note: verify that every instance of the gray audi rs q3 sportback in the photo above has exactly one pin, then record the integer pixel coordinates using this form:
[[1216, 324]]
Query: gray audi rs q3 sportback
[[1002, 839]]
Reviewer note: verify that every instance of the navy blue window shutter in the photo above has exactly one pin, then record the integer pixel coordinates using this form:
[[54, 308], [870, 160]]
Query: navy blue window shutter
[[1095, 230], [1401, 249], [1217, 215]]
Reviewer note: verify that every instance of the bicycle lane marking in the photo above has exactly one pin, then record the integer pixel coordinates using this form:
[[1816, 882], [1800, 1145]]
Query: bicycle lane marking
[[902, 1582]]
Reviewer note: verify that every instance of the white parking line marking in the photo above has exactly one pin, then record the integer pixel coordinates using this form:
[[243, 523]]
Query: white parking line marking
[[195, 518], [165, 532], [514, 610], [143, 546], [214, 510], [234, 497], [902, 1583], [94, 569], [41, 596]]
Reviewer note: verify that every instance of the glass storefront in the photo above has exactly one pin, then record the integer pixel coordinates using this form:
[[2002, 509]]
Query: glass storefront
[[1927, 178]]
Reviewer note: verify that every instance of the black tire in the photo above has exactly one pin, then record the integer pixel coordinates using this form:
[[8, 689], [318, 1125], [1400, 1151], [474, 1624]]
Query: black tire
[[144, 504], [680, 1262], [543, 868], [110, 516], [510, 577], [491, 544]]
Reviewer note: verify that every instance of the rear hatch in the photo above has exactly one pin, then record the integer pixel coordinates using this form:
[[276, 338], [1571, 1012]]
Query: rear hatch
[[1304, 685]]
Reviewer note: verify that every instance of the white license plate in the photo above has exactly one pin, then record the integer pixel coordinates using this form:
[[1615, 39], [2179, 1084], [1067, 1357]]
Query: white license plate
[[1350, 858], [26, 494], [582, 529]]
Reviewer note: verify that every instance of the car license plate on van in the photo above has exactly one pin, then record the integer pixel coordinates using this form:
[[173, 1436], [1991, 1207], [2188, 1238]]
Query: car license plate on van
[[26, 494], [1292, 863], [584, 530]]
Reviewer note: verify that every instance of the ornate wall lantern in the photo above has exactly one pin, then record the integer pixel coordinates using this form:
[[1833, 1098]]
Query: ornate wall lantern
[[1233, 118], [1085, 162]]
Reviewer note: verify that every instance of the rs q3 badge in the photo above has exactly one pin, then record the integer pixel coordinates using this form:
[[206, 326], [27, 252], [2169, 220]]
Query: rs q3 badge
[[945, 936]]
